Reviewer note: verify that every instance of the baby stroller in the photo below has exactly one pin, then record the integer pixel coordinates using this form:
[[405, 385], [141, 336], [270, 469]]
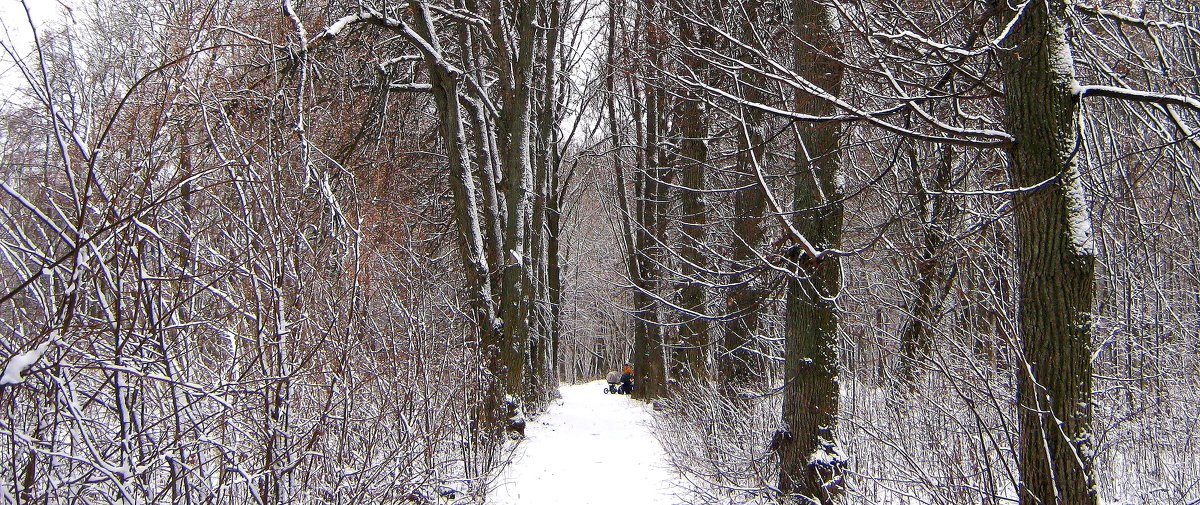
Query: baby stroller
[[614, 382]]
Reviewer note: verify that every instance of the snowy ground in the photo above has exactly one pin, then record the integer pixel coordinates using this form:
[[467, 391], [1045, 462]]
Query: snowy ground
[[589, 448]]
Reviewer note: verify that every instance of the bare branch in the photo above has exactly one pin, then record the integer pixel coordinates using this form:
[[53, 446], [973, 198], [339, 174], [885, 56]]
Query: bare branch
[[1135, 95]]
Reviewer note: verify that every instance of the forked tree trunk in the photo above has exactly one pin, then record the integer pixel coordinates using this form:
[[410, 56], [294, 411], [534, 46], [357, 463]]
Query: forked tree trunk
[[503, 329], [1055, 257], [516, 79]]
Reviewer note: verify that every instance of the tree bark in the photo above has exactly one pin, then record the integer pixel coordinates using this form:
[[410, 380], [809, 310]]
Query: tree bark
[[553, 200], [516, 79], [541, 361], [492, 204], [1055, 258], [648, 359], [694, 345], [811, 463], [554, 270]]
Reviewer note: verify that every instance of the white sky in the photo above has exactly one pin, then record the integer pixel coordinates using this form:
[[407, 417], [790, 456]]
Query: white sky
[[16, 34]]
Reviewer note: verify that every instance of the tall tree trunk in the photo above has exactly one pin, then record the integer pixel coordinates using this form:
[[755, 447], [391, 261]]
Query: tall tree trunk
[[648, 360], [1055, 258], [486, 162], [541, 361], [553, 198], [554, 271], [629, 214], [633, 223], [693, 158], [810, 460], [485, 166], [516, 78]]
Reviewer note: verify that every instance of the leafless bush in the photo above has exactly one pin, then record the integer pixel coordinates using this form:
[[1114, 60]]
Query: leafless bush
[[219, 316]]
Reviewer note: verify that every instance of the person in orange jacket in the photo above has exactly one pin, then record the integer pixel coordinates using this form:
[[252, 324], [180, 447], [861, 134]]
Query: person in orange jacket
[[626, 380]]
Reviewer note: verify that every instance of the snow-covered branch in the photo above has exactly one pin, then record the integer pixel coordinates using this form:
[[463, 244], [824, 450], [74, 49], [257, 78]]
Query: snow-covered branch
[[1135, 95], [1135, 21]]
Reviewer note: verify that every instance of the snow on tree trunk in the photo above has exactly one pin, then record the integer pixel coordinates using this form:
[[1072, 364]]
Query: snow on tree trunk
[[811, 463], [1055, 260]]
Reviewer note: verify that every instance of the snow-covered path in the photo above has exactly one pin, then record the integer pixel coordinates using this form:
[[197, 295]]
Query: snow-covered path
[[589, 448]]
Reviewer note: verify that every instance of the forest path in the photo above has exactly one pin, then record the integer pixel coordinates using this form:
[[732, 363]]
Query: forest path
[[589, 448]]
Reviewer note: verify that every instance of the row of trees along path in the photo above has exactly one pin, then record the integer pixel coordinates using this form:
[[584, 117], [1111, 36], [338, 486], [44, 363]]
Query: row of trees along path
[[251, 251]]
